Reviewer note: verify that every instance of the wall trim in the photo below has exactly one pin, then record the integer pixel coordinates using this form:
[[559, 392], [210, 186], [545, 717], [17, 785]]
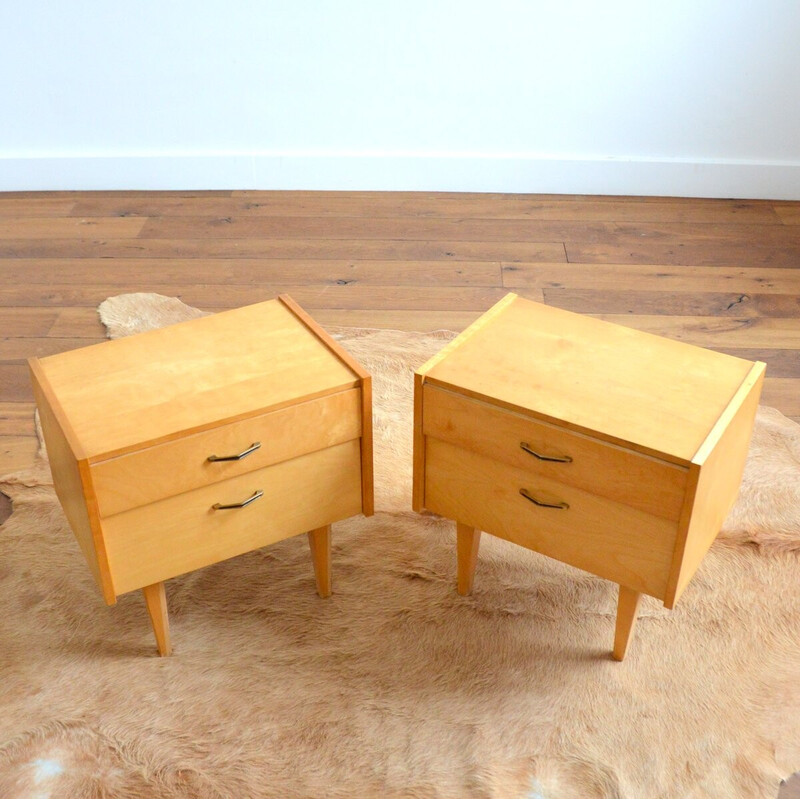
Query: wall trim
[[514, 173]]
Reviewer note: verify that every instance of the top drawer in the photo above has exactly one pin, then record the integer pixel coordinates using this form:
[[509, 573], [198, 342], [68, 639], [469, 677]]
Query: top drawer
[[144, 476], [656, 487]]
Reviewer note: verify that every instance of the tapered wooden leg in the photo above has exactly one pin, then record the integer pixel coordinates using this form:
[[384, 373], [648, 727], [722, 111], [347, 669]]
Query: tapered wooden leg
[[156, 599], [320, 543], [469, 540], [627, 608]]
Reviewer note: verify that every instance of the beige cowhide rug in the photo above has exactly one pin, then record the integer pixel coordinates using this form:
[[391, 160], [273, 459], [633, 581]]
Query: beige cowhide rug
[[396, 685]]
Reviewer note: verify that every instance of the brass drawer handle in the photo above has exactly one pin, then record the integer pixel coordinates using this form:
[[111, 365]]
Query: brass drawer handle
[[251, 499], [560, 459], [253, 447], [528, 496]]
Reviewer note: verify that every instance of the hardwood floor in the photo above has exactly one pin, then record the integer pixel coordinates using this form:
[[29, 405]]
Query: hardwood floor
[[717, 273]]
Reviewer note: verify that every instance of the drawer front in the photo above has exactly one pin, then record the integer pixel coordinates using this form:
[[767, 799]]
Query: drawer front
[[607, 538], [164, 470], [183, 533], [604, 469]]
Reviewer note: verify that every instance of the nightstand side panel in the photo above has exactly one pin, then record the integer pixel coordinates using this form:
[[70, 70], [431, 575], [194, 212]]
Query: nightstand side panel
[[718, 470], [73, 487]]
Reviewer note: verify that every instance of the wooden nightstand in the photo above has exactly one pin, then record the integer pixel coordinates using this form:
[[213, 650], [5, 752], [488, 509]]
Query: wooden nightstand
[[177, 448], [616, 451]]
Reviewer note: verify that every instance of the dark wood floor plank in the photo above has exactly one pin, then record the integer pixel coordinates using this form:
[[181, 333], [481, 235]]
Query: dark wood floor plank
[[712, 232], [717, 332], [681, 252], [788, 213], [63, 227], [15, 383], [399, 204], [780, 363], [412, 320], [83, 194], [499, 198], [38, 207], [79, 323], [353, 296], [16, 419], [249, 270], [17, 452], [27, 321], [688, 303], [15, 350], [380, 228], [302, 249], [783, 394], [468, 229], [652, 277]]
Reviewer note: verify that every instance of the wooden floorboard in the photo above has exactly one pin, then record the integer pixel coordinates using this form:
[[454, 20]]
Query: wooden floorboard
[[303, 249], [660, 278], [16, 419], [684, 303], [680, 251], [354, 296], [17, 452], [150, 272], [397, 204], [723, 274], [55, 227]]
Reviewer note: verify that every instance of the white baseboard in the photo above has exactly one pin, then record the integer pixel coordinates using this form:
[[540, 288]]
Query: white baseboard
[[521, 173]]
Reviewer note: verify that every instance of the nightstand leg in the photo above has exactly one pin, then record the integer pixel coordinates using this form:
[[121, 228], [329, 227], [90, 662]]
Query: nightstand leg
[[469, 540], [156, 599], [320, 542], [627, 608]]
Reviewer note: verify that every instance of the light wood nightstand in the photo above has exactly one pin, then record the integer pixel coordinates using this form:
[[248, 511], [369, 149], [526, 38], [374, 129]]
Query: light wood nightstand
[[616, 451], [177, 448]]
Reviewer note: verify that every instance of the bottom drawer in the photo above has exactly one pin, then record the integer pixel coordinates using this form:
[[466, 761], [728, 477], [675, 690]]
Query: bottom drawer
[[612, 540], [183, 533]]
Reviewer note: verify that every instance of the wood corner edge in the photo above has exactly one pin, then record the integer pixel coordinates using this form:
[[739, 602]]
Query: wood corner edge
[[485, 318], [671, 595], [754, 376], [340, 352], [418, 456], [93, 512], [367, 449]]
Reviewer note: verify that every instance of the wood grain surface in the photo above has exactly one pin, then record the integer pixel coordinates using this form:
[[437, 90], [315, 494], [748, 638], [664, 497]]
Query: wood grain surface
[[648, 393], [590, 532], [724, 274], [121, 395]]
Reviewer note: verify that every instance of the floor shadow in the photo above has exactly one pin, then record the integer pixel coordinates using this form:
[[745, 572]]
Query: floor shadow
[[790, 788], [6, 507]]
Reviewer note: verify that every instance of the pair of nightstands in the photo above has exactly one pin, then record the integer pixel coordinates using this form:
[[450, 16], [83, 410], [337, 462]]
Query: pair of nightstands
[[612, 450]]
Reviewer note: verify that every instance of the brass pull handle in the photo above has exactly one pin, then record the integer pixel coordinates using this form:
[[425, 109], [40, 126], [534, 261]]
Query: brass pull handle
[[528, 496], [253, 447], [560, 459], [251, 499]]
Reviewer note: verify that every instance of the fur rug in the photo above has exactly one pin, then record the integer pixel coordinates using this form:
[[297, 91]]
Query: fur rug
[[396, 685]]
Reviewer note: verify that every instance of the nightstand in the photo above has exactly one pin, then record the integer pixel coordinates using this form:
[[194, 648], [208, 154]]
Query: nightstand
[[178, 448], [615, 451]]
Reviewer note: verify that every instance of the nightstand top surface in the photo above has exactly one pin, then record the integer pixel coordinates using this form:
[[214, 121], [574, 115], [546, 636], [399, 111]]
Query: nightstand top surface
[[146, 388], [636, 389]]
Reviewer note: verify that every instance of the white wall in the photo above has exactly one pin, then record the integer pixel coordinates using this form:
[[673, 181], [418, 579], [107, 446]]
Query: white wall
[[686, 97]]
